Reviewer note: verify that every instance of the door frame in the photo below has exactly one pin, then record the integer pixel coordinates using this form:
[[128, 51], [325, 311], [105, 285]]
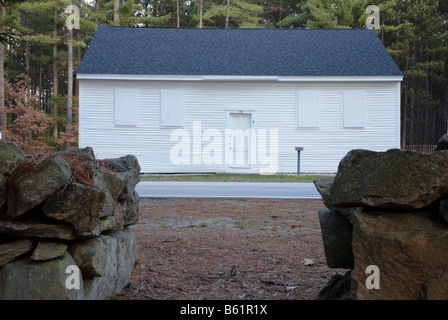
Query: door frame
[[234, 168]]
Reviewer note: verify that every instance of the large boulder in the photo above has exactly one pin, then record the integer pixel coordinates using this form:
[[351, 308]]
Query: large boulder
[[393, 179], [323, 186], [130, 209], [25, 279], [90, 256], [122, 252], [35, 227], [105, 265], [410, 251], [128, 198], [47, 250], [66, 212], [128, 164], [337, 238], [34, 187], [112, 184], [13, 249], [78, 205], [82, 159], [10, 157], [337, 288]]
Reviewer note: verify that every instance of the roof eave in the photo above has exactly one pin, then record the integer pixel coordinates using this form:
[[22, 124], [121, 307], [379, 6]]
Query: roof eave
[[82, 76]]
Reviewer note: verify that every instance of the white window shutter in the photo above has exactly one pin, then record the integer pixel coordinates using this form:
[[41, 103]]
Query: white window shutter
[[172, 108], [126, 106], [308, 109], [354, 109]]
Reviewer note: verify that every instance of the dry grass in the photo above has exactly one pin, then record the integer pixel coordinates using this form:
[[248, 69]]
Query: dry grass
[[228, 249], [81, 168]]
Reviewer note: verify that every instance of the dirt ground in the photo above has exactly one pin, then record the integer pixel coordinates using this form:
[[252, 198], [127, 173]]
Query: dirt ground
[[207, 249]]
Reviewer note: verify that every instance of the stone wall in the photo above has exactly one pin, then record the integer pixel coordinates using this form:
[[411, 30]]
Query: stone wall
[[61, 213], [389, 211]]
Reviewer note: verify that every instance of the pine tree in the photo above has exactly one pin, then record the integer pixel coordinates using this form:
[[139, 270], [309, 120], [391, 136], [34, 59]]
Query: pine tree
[[153, 13], [234, 13], [8, 23], [415, 33], [51, 13]]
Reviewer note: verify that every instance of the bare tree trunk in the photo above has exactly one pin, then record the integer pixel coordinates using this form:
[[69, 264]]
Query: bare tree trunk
[[78, 57], [116, 15], [2, 81], [41, 102], [446, 101], [97, 8], [70, 88], [200, 12], [397, 33], [411, 124], [404, 101], [177, 14], [27, 58], [55, 77], [404, 122], [227, 14]]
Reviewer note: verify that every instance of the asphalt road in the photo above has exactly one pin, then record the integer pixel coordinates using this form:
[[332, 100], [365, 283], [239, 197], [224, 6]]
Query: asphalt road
[[227, 190]]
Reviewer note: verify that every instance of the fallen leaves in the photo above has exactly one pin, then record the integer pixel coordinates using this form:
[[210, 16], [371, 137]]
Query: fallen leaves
[[262, 258]]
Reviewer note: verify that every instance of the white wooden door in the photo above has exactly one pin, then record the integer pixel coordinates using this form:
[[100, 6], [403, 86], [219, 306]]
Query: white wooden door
[[240, 140]]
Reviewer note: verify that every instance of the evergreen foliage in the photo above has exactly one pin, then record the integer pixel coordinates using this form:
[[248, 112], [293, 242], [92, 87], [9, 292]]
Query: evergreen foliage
[[34, 40]]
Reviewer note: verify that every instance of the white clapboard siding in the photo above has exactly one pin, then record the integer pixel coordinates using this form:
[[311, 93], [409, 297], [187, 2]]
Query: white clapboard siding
[[272, 105]]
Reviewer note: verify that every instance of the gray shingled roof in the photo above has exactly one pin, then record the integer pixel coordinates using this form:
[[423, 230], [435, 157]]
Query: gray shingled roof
[[247, 52]]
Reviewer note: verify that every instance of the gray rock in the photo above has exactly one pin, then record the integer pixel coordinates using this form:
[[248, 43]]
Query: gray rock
[[11, 250], [114, 222], [325, 291], [323, 186], [130, 209], [337, 288], [410, 251], [122, 252], [99, 227], [78, 205], [90, 256], [10, 158], [86, 155], [34, 187], [392, 179], [130, 165], [33, 227], [128, 197], [47, 250], [337, 239], [109, 223], [112, 183], [25, 279]]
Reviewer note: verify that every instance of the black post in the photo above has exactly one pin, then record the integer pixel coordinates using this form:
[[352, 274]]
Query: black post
[[298, 149]]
